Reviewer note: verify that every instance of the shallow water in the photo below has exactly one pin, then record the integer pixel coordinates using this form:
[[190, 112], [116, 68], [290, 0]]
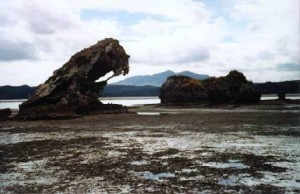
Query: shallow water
[[125, 101], [155, 177], [139, 163], [132, 101], [149, 113], [12, 104], [236, 165], [287, 148]]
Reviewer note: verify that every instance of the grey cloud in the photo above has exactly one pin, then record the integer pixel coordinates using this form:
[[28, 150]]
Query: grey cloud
[[37, 19], [38, 28], [7, 18], [266, 55], [288, 67], [194, 55], [254, 27], [283, 44], [45, 22], [11, 51], [5, 21], [181, 57], [27, 22]]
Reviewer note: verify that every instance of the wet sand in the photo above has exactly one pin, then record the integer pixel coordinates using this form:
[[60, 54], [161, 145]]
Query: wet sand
[[159, 150]]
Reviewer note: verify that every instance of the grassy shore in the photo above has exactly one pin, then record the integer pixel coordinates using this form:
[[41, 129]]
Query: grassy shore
[[228, 149]]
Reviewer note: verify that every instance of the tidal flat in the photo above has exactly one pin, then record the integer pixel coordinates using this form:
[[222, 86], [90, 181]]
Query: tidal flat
[[245, 149]]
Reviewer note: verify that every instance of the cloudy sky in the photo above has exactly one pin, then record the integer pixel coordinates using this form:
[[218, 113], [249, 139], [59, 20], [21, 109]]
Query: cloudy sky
[[257, 37]]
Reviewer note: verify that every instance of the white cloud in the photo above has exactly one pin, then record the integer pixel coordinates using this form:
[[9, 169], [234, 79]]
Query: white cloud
[[266, 33], [255, 36]]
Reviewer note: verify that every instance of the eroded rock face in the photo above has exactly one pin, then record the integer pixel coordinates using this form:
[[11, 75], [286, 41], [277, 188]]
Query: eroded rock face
[[72, 89], [233, 88]]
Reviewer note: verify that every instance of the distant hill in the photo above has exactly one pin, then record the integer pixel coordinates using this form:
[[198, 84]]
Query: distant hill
[[157, 79], [16, 92], [22, 92], [278, 87], [122, 90]]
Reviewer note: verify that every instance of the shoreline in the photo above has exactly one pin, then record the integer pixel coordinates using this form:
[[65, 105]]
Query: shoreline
[[184, 150], [265, 105]]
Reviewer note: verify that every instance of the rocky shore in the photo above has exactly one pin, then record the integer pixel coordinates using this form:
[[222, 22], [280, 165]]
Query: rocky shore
[[161, 149]]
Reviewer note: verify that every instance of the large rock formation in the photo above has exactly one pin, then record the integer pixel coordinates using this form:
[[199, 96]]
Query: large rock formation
[[233, 88], [72, 90]]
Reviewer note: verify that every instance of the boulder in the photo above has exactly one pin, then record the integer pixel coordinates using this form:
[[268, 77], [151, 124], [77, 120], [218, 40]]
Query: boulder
[[4, 114], [72, 90], [233, 88], [281, 96]]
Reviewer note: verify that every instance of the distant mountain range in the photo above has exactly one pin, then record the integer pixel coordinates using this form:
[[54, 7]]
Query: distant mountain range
[[23, 92], [157, 79]]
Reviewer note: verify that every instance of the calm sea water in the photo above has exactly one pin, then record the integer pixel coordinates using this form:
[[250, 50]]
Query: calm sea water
[[130, 101], [126, 101]]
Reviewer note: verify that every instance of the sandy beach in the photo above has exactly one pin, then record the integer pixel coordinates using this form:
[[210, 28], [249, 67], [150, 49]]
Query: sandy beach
[[159, 150]]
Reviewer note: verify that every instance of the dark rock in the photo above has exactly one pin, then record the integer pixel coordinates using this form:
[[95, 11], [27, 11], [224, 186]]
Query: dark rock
[[247, 94], [4, 114], [281, 96], [217, 90], [72, 90], [234, 81], [181, 89], [233, 88]]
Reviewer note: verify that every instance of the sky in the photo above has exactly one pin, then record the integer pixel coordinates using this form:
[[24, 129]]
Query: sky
[[257, 37]]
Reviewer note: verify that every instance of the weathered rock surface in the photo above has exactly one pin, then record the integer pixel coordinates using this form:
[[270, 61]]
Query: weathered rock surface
[[4, 114], [72, 90], [233, 88], [181, 89]]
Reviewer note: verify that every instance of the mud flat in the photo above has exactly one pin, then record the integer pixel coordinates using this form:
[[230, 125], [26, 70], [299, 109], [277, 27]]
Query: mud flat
[[158, 150]]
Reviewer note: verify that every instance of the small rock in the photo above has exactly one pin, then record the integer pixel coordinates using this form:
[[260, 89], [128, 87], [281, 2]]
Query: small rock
[[4, 113]]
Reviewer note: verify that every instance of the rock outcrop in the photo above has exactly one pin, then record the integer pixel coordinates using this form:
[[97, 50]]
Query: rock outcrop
[[72, 90], [233, 88], [182, 89]]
